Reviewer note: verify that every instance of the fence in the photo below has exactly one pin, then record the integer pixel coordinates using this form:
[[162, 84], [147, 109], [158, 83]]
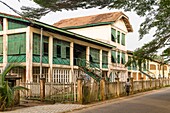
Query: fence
[[53, 92], [90, 91], [115, 89]]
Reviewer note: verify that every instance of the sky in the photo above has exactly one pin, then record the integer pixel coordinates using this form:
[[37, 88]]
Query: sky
[[132, 41]]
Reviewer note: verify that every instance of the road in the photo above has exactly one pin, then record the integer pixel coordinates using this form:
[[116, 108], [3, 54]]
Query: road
[[157, 101]]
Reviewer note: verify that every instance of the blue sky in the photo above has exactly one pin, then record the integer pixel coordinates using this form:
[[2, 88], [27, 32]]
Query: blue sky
[[132, 38]]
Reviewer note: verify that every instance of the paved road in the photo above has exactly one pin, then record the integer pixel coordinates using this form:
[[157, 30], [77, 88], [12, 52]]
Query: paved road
[[157, 101]]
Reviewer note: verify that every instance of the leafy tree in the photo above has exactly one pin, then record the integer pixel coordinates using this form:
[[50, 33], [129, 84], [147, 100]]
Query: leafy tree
[[157, 13], [6, 92]]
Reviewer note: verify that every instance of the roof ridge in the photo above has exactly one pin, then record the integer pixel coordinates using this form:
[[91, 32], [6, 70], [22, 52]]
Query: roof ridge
[[91, 15]]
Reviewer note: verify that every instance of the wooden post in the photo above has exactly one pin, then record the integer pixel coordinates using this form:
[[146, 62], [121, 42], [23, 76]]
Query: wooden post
[[42, 89], [132, 86], [118, 86], [102, 89], [159, 82], [155, 83], [80, 90], [150, 83], [142, 83]]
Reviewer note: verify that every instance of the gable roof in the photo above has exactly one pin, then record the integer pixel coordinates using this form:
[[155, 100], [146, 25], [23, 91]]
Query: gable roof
[[54, 29], [93, 20]]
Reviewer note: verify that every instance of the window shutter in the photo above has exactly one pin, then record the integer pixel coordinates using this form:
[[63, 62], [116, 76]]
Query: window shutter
[[113, 32], [114, 56]]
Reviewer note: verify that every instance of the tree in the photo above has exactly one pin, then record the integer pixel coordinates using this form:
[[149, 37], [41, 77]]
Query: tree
[[157, 13], [7, 93]]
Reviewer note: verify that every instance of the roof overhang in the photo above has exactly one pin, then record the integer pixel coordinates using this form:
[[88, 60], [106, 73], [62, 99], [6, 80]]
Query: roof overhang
[[54, 29]]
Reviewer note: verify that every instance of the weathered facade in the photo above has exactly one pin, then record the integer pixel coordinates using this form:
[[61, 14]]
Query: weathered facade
[[149, 69], [110, 28], [62, 51]]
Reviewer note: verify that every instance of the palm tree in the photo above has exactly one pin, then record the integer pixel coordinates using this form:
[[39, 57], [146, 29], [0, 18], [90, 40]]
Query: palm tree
[[6, 92]]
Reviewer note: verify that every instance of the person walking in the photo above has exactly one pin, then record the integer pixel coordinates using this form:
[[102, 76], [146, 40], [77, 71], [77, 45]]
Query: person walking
[[127, 87]]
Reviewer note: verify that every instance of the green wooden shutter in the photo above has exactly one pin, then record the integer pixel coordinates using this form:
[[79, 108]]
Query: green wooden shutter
[[123, 39], [95, 54], [54, 48], [17, 43], [105, 57], [118, 37], [63, 51], [118, 57], [15, 25], [123, 58], [113, 35], [23, 43], [114, 56], [1, 45], [36, 44], [129, 59]]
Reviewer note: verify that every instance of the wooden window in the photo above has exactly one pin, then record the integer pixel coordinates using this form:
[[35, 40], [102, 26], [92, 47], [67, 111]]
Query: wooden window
[[165, 67], [61, 49], [104, 59], [113, 56], [129, 59], [95, 55], [123, 39], [1, 24], [113, 35], [118, 57], [36, 74], [152, 67], [123, 58], [17, 43], [118, 37], [36, 44], [1, 45]]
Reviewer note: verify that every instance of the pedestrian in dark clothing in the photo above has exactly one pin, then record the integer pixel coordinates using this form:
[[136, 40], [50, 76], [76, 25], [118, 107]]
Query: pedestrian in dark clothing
[[127, 87]]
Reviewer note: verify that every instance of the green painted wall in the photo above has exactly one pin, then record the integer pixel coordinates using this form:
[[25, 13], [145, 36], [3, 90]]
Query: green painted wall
[[17, 47], [15, 25], [36, 49], [17, 44]]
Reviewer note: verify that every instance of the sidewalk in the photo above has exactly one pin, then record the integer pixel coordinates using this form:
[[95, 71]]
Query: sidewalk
[[55, 108], [62, 108]]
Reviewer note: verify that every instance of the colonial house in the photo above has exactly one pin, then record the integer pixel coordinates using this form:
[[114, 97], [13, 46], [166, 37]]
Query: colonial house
[[149, 69], [61, 55], [110, 28]]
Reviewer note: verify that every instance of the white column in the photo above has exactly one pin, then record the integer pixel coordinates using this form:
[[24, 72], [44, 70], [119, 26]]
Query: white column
[[109, 62], [72, 60], [50, 59], [5, 42], [137, 78], [100, 53], [29, 53]]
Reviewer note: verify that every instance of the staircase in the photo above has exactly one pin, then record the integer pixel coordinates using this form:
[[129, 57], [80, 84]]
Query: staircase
[[90, 69], [146, 74]]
